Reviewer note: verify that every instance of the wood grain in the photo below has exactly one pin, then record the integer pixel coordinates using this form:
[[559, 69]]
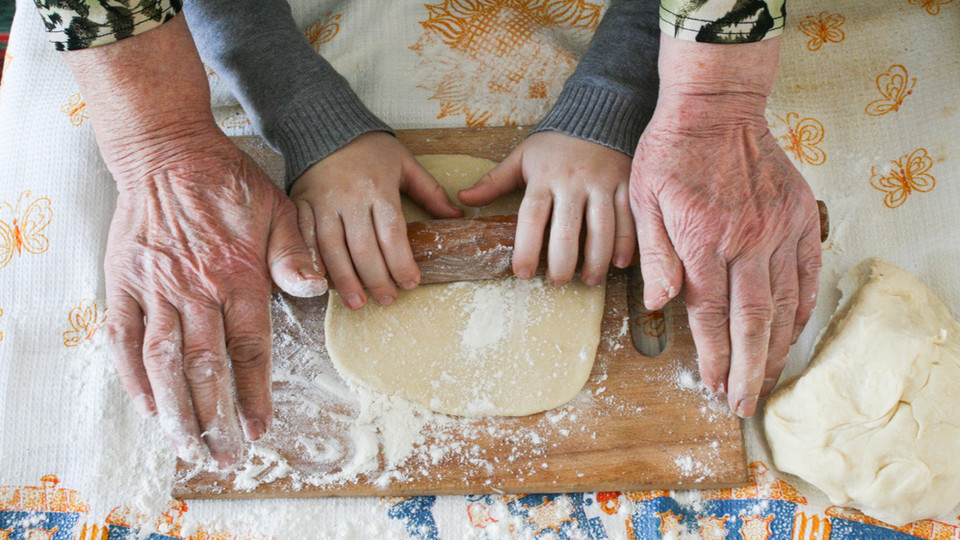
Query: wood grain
[[642, 425], [640, 422]]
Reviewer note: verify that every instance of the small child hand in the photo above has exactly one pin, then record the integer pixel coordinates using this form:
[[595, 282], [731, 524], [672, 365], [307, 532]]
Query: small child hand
[[566, 179], [348, 207]]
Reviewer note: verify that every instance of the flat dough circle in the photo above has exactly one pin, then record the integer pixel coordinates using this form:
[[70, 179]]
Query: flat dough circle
[[497, 347], [875, 420]]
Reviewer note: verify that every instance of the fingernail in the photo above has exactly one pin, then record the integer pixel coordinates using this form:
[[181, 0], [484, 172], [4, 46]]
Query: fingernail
[[308, 284], [797, 330], [524, 273], [592, 281], [409, 284], [385, 300], [622, 261], [145, 405], [746, 407], [310, 273], [253, 429], [354, 301]]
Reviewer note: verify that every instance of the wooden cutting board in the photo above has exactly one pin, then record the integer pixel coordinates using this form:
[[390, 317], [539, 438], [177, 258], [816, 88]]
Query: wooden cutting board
[[641, 422]]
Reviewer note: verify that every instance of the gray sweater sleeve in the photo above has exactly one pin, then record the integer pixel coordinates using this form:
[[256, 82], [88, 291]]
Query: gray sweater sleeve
[[297, 101], [612, 94]]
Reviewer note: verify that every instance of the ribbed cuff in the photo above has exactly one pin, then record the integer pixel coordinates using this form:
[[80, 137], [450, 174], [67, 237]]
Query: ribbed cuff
[[599, 114], [309, 130]]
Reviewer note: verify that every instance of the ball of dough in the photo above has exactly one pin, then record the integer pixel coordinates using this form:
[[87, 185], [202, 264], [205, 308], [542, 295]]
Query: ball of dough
[[874, 422]]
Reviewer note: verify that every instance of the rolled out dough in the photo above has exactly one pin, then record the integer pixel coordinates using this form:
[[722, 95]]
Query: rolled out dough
[[498, 347], [874, 422]]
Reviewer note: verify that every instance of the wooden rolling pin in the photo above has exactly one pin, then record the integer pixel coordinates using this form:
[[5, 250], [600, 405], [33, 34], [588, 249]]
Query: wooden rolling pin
[[468, 249]]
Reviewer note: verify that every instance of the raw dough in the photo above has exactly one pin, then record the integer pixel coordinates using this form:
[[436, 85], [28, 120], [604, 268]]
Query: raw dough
[[875, 421], [497, 347]]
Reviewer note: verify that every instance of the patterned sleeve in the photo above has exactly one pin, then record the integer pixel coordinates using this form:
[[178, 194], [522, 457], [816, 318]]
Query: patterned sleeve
[[80, 24], [723, 21]]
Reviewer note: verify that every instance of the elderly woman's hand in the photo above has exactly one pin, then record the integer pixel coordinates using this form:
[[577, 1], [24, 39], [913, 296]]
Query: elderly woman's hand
[[722, 212], [197, 233]]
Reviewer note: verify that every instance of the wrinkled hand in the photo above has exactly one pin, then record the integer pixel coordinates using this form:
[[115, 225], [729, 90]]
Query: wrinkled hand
[[348, 207], [568, 180], [722, 212], [192, 247]]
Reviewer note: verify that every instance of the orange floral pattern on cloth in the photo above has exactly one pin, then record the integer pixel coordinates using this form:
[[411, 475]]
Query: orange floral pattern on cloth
[[932, 6], [323, 30], [85, 320], [170, 523], [904, 176], [927, 528], [75, 109], [823, 28], [236, 120], [803, 138], [44, 498], [894, 85], [24, 230], [481, 57], [1, 331]]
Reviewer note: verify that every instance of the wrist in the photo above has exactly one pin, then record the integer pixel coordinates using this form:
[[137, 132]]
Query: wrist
[[739, 71]]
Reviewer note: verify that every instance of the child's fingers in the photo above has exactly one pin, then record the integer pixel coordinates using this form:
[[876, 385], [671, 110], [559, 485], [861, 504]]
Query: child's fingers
[[564, 246], [392, 235], [504, 178], [307, 224], [531, 222], [423, 188], [598, 248], [625, 238], [333, 247], [367, 258]]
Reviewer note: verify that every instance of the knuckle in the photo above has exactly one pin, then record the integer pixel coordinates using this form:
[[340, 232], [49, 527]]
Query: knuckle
[[204, 368], [753, 322], [248, 349]]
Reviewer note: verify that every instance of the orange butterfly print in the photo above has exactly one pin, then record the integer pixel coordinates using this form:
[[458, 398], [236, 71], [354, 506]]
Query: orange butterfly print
[[932, 6], [323, 30], [824, 28], [25, 231], [894, 85], [85, 320], [802, 137], [76, 109], [903, 177]]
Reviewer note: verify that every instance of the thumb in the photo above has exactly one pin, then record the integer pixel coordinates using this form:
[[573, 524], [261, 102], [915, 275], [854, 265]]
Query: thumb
[[660, 266], [504, 178], [423, 188], [290, 263]]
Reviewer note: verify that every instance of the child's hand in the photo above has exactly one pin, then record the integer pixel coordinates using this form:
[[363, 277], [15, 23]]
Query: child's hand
[[349, 212], [566, 178]]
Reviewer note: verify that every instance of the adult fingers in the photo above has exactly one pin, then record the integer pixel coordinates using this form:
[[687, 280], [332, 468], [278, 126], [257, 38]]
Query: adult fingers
[[333, 247], [307, 224], [246, 323], [423, 188], [708, 304], [751, 314], [392, 235], [163, 362], [625, 237], [808, 270], [367, 257], [660, 266], [291, 265], [125, 331], [784, 289], [504, 178], [207, 370], [531, 223], [598, 246]]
